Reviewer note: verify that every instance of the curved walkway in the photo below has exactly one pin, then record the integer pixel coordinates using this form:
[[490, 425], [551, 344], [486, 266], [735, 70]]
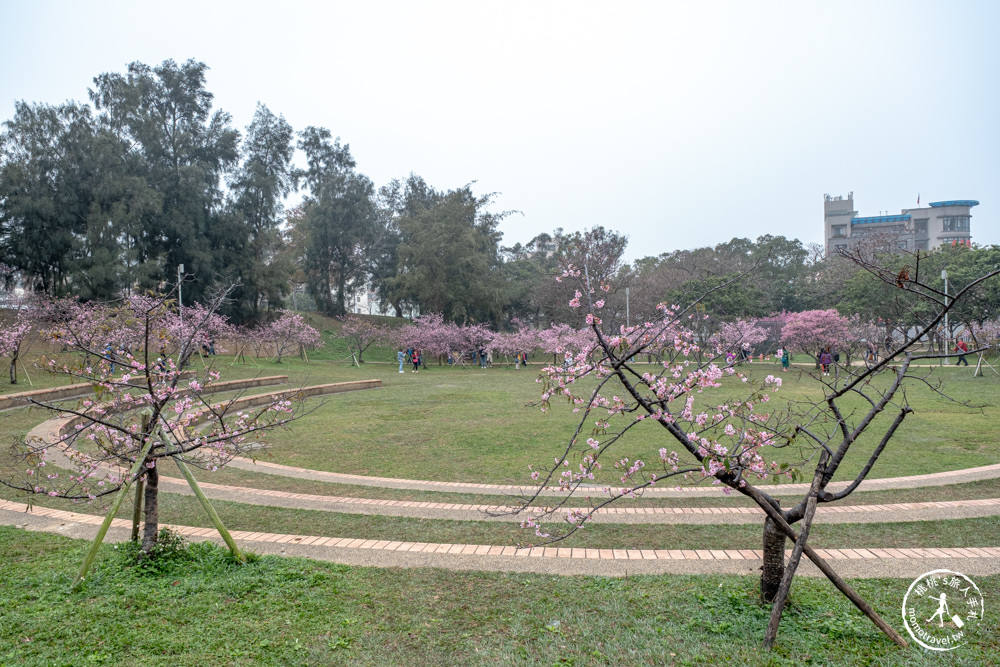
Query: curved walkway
[[899, 512], [857, 562], [880, 484]]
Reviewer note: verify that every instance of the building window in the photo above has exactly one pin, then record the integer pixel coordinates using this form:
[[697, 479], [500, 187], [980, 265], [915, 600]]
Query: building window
[[920, 225], [839, 231], [920, 244], [901, 245], [955, 223]]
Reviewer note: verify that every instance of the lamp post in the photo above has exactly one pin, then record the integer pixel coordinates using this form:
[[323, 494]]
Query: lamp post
[[180, 300], [944, 276]]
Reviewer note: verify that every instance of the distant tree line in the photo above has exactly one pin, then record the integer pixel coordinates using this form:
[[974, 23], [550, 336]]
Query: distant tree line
[[106, 199]]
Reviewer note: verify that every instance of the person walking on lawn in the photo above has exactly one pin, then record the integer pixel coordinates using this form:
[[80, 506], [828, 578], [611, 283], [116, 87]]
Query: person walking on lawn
[[400, 357], [825, 359], [962, 349], [415, 357]]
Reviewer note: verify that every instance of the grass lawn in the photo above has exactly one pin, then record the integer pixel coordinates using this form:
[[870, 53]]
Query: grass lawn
[[451, 424], [204, 610], [477, 426], [471, 425]]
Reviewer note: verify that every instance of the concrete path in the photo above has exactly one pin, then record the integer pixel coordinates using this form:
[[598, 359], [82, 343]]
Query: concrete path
[[880, 484], [857, 562], [900, 512]]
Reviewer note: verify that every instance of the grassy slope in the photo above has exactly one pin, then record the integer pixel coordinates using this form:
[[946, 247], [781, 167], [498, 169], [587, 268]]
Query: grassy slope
[[468, 425], [471, 425]]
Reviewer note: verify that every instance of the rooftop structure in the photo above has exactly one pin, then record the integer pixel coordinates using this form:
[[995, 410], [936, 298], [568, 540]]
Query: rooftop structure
[[920, 228]]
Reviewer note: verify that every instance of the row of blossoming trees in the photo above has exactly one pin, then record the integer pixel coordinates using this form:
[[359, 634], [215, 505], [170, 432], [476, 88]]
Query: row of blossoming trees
[[805, 332], [435, 337], [27, 320]]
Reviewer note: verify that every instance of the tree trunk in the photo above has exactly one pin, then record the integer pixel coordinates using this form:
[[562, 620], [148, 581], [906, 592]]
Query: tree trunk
[[152, 510], [774, 561], [13, 368]]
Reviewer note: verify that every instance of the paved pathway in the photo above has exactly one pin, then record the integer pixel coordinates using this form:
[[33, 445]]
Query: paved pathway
[[899, 512], [881, 484], [857, 562]]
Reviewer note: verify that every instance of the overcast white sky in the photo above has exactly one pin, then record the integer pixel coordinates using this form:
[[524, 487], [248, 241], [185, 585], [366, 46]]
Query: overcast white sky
[[681, 124]]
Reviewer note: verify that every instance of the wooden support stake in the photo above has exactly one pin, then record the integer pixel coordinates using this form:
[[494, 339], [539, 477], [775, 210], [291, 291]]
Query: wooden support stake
[[30, 383], [212, 514], [109, 517], [137, 511], [825, 568]]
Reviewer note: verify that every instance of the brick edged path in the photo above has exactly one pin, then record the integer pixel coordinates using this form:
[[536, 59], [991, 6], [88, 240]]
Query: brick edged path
[[899, 512], [851, 562], [880, 484]]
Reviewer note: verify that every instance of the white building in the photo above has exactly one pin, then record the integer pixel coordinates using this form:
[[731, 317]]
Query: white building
[[921, 228]]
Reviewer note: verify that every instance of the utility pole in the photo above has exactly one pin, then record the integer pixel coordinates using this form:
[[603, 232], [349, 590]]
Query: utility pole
[[180, 301], [947, 346], [627, 321]]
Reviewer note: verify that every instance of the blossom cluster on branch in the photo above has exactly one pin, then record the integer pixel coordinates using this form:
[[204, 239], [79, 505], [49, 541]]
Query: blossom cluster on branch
[[145, 407]]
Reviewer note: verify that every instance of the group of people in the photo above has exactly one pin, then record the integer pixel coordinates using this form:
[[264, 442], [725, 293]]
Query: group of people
[[410, 356], [826, 356], [481, 357]]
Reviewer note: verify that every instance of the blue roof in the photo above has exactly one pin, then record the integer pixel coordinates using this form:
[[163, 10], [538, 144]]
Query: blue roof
[[880, 218], [955, 202]]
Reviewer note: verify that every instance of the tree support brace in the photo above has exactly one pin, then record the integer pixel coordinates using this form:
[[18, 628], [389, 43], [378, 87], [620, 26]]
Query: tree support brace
[[109, 517], [212, 514], [825, 568]]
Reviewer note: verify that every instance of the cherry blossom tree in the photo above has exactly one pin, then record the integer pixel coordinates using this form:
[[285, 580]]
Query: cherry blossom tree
[[860, 334], [200, 325], [522, 339], [146, 411], [811, 330], [476, 338], [16, 333], [733, 336], [562, 340], [432, 335], [985, 334], [361, 334], [732, 442], [289, 332]]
